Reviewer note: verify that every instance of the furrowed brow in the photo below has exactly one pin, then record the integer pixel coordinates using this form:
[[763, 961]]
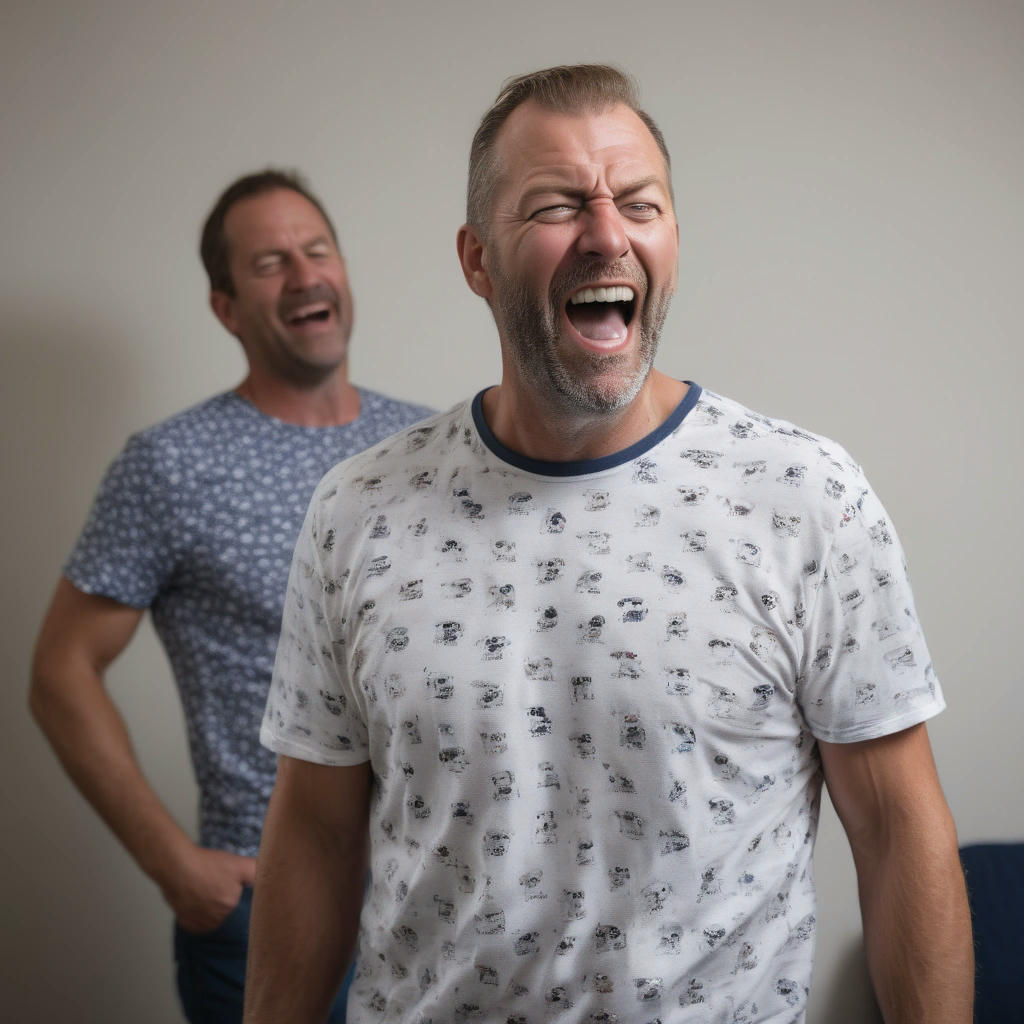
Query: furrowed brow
[[639, 185], [553, 188]]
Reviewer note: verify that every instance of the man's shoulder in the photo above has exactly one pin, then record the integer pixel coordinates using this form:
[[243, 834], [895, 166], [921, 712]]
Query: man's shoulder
[[756, 444], [215, 414], [201, 427], [376, 405], [420, 446]]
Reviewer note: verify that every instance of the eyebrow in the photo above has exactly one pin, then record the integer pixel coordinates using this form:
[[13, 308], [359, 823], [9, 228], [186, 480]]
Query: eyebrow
[[642, 183], [262, 254]]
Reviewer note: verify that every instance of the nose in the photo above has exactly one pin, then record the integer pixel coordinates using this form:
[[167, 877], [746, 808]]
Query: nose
[[604, 233], [301, 273]]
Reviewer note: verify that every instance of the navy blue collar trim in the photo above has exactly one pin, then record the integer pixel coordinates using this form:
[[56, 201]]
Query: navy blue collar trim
[[584, 466]]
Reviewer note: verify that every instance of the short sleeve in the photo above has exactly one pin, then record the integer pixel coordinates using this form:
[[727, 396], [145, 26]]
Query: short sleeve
[[312, 712], [867, 671], [124, 551]]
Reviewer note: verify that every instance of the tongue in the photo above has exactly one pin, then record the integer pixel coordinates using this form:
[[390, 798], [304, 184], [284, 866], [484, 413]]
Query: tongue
[[598, 321]]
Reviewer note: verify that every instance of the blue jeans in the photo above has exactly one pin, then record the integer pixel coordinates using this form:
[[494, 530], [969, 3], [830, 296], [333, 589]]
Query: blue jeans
[[211, 970]]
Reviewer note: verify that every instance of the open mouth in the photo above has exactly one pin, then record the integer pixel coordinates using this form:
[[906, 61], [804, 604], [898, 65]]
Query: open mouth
[[304, 317], [602, 315]]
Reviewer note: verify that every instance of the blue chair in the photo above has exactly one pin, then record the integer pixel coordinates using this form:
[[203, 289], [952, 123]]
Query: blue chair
[[995, 887]]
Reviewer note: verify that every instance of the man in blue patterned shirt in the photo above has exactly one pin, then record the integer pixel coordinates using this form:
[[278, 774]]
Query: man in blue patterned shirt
[[196, 521]]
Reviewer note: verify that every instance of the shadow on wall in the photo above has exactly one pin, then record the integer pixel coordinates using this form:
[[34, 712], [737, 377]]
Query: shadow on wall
[[81, 929], [849, 994], [71, 388]]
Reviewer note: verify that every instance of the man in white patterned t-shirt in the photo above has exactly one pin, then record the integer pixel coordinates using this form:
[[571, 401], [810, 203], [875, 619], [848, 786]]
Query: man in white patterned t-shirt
[[571, 660]]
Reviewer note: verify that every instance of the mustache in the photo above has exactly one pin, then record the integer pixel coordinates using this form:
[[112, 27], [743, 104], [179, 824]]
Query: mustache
[[583, 272], [320, 292]]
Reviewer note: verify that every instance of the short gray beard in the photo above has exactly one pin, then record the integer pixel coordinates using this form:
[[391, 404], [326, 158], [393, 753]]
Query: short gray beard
[[531, 330]]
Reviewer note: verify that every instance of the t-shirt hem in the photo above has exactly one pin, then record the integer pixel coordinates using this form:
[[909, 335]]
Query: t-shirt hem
[[86, 586], [227, 846], [878, 729], [280, 745]]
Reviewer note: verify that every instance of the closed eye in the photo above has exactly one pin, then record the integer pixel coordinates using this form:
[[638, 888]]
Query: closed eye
[[548, 214]]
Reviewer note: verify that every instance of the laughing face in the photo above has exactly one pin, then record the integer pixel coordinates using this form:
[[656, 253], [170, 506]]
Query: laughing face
[[579, 262], [292, 309]]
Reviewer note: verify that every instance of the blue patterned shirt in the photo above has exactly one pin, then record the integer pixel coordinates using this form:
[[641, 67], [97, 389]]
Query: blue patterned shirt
[[196, 520]]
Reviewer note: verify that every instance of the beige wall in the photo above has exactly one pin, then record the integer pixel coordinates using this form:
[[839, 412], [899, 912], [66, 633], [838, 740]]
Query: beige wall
[[849, 181]]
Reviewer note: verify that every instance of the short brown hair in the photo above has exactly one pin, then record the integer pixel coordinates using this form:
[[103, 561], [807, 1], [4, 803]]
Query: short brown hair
[[569, 89], [213, 243]]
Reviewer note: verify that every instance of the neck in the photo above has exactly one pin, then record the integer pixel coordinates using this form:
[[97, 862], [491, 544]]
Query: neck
[[525, 425], [331, 403]]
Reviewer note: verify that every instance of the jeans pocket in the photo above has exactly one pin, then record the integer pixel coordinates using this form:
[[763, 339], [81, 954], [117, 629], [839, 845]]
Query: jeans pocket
[[234, 926], [210, 967]]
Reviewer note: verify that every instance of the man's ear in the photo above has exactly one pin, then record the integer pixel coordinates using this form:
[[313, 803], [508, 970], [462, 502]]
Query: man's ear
[[472, 257], [223, 306]]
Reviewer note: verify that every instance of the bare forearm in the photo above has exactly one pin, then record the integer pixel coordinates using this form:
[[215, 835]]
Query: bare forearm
[[917, 928], [917, 925], [81, 636], [89, 737], [308, 895]]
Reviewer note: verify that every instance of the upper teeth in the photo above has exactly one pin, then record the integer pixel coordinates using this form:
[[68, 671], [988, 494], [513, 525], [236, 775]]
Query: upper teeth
[[305, 311], [616, 293]]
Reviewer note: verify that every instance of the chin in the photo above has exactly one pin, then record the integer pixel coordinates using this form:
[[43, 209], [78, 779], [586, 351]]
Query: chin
[[598, 396], [604, 384]]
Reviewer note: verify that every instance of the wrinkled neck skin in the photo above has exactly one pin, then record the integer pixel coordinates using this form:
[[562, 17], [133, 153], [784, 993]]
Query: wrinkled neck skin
[[531, 426]]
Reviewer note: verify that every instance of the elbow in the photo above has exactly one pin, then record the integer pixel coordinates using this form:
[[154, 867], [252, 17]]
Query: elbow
[[41, 693], [47, 693]]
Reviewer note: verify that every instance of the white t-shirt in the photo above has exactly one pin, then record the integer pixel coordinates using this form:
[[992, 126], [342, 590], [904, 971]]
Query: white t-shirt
[[589, 693]]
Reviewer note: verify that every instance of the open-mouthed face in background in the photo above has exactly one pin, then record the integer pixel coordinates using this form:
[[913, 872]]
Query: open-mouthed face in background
[[292, 309]]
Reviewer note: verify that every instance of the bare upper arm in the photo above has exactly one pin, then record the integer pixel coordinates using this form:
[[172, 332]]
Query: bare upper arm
[[881, 784], [335, 798], [81, 633]]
